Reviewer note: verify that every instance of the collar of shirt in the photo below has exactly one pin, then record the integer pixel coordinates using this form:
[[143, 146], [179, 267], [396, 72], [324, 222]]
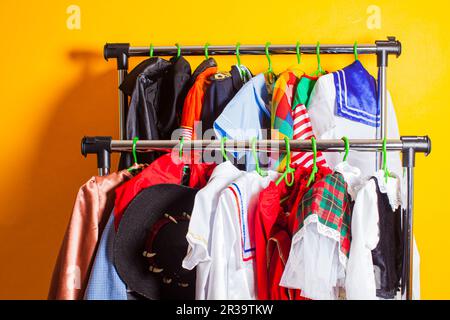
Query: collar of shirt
[[223, 169], [352, 176], [392, 187]]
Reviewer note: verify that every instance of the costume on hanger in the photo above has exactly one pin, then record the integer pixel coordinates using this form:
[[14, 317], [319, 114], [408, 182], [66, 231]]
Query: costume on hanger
[[157, 88], [231, 274], [291, 120], [275, 223], [344, 103], [93, 206], [104, 281], [222, 88], [246, 116], [201, 222], [321, 244], [192, 108]]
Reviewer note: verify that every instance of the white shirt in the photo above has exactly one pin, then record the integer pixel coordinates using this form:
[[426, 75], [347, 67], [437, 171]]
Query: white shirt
[[315, 264], [327, 125], [231, 274], [361, 282], [201, 222]]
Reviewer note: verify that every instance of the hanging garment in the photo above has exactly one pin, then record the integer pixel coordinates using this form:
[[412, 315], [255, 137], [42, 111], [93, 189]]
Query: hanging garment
[[104, 281], [282, 124], [274, 226], [157, 88], [387, 255], [192, 108], [291, 121], [303, 90], [151, 242], [231, 274], [162, 170], [93, 206], [201, 222], [221, 90], [344, 103], [360, 281], [321, 244], [302, 124], [246, 116]]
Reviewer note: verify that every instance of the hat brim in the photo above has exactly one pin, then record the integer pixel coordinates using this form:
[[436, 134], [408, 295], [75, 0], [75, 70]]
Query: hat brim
[[146, 208]]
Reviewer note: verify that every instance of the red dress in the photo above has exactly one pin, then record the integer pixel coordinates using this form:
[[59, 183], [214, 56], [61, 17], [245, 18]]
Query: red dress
[[163, 170], [274, 227]]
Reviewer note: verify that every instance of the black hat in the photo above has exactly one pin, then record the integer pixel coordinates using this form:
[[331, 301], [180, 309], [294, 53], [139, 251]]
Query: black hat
[[150, 243]]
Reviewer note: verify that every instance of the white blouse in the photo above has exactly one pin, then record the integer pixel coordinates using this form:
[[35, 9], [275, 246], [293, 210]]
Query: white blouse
[[315, 264]]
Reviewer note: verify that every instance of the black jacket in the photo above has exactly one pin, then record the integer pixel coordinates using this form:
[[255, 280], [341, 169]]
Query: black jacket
[[222, 89], [157, 88]]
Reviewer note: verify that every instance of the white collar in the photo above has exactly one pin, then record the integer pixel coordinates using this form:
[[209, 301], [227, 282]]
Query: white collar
[[352, 176], [225, 168], [392, 188]]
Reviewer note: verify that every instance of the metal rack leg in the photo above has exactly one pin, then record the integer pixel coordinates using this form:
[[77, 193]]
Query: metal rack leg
[[123, 106], [382, 101], [408, 222]]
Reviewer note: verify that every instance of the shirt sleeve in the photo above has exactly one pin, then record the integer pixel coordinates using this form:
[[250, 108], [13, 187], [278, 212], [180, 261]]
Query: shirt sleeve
[[222, 242], [321, 107], [360, 279], [244, 117], [198, 232]]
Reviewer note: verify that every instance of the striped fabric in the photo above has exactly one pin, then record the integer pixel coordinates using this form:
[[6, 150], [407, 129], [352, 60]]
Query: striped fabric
[[281, 115], [303, 131]]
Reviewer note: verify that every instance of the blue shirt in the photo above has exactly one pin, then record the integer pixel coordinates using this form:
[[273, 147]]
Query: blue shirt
[[104, 281], [245, 116]]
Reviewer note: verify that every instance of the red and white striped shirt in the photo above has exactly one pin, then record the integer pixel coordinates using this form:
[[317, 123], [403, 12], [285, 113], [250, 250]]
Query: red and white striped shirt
[[303, 131]]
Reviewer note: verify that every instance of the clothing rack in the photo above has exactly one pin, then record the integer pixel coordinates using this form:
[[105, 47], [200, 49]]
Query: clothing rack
[[103, 146]]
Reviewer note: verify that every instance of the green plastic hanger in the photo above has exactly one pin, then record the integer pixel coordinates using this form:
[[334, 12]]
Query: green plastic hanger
[[131, 169], [206, 51], [222, 148], [385, 169], [355, 50], [347, 148], [238, 58], [261, 172], [178, 50], [238, 55], [180, 152], [151, 50], [319, 70], [289, 170], [297, 50], [314, 169], [269, 60]]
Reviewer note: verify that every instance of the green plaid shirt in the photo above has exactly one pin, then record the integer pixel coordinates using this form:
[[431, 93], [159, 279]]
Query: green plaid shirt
[[328, 203]]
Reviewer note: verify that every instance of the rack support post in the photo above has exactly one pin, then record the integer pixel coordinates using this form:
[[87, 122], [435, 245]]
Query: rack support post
[[411, 145], [384, 47], [120, 51], [101, 146]]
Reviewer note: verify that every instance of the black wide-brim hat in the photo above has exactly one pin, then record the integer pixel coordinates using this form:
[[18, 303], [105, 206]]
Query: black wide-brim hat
[[149, 206]]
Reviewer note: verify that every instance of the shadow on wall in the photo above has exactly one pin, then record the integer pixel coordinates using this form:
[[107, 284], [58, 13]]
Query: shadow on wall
[[53, 178]]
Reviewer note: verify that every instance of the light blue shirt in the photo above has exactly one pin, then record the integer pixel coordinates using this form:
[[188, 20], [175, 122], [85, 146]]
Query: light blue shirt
[[245, 116], [104, 281]]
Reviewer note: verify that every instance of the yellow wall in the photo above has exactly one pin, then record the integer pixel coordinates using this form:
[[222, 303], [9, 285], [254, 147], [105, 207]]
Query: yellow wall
[[55, 88]]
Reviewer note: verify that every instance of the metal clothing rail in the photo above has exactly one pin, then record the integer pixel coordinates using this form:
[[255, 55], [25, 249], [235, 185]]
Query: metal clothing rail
[[407, 145], [382, 48]]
